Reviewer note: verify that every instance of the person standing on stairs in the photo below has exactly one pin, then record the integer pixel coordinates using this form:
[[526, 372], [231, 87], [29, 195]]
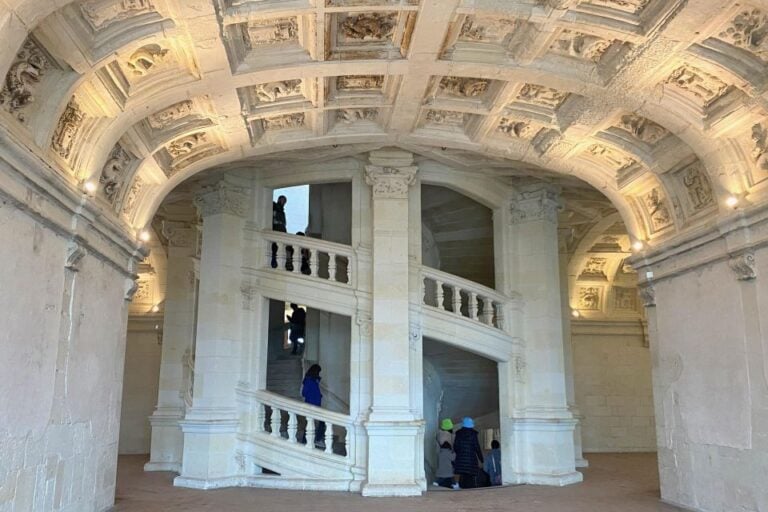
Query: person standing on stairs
[[279, 223], [297, 324], [310, 390]]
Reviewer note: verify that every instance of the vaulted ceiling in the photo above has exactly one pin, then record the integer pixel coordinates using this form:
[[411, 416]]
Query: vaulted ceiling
[[658, 104]]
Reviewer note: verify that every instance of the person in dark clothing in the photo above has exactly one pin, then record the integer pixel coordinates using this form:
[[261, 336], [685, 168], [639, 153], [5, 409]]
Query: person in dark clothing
[[278, 223], [469, 455], [297, 323], [310, 390]]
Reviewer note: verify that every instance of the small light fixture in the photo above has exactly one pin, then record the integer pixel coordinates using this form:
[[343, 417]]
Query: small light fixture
[[575, 313], [732, 202], [90, 187], [144, 235], [638, 245], [156, 308]]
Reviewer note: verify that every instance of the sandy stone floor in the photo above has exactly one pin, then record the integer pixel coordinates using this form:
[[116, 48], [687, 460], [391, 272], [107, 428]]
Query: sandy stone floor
[[614, 482]]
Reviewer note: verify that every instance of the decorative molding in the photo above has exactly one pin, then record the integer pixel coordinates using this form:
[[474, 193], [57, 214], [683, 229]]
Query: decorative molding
[[744, 266], [171, 115], [222, 198], [179, 234], [365, 323], [270, 92], [100, 14], [535, 203], [446, 117], [359, 82]]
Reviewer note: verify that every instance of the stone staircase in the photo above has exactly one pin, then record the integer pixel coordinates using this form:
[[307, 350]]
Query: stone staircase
[[284, 376]]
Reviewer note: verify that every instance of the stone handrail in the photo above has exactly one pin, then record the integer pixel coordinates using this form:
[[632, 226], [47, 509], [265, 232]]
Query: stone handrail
[[309, 256], [293, 422], [453, 294]]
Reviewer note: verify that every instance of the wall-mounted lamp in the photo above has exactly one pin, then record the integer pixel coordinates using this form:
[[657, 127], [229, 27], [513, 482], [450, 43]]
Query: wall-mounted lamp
[[90, 187], [638, 245], [575, 313], [144, 235]]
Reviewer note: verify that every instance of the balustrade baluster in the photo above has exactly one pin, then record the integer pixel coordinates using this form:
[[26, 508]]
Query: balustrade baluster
[[348, 271], [424, 290], [332, 267], [346, 442], [280, 255], [487, 311], [290, 257], [473, 305], [499, 315], [314, 262], [309, 433], [328, 437], [456, 303], [293, 427], [440, 294], [261, 415], [275, 421]]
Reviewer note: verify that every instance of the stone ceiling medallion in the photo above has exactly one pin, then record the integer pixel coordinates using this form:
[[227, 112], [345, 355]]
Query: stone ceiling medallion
[[284, 122], [364, 35], [463, 87], [459, 93], [540, 95], [488, 38], [359, 91], [537, 102], [446, 117], [350, 116], [271, 32]]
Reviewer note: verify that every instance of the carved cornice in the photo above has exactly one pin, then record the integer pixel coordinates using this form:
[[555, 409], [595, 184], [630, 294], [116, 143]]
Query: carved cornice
[[390, 182], [534, 203], [220, 198]]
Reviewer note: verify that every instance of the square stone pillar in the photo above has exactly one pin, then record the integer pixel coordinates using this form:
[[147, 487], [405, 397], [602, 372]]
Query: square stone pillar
[[538, 429], [210, 425], [394, 429], [178, 336]]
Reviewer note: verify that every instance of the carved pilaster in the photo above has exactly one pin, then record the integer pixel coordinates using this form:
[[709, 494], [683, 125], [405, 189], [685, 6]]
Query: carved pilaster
[[539, 202], [744, 266], [390, 173], [220, 198]]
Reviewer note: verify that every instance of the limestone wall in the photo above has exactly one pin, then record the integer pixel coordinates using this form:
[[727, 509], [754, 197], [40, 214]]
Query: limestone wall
[[612, 373], [62, 341], [142, 368]]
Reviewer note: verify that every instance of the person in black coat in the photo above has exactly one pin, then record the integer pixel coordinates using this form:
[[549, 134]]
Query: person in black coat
[[278, 223], [469, 455], [297, 323]]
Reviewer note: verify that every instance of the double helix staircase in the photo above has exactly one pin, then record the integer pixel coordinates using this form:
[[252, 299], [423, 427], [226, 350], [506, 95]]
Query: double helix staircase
[[283, 434]]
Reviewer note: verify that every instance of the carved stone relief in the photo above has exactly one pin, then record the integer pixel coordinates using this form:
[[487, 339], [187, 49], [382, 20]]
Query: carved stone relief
[[642, 128], [284, 122], [222, 198], [486, 29], [624, 299], [749, 30], [272, 31], [145, 59], [589, 298], [351, 115], [697, 184], [270, 92], [630, 6], [29, 66], [169, 116], [744, 266], [186, 145], [359, 82], [540, 95], [463, 87], [657, 210], [613, 158], [535, 204], [595, 267], [446, 117], [369, 26], [580, 45], [114, 173], [760, 143], [647, 295], [390, 182], [705, 88], [515, 128], [66, 131], [132, 197], [102, 13]]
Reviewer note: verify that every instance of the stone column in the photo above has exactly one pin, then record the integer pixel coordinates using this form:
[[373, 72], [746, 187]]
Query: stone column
[[211, 424], [393, 427], [177, 351], [541, 442]]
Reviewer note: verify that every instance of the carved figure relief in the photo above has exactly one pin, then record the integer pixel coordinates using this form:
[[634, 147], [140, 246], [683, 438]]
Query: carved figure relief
[[589, 299], [66, 131], [540, 95], [698, 186], [129, 203], [580, 45], [446, 117], [615, 159], [749, 30], [270, 92], [103, 13], [369, 26], [486, 29], [359, 82], [141, 62], [186, 145], [595, 267], [463, 87], [513, 128], [642, 128], [630, 6], [113, 174], [170, 115], [28, 68], [760, 141], [265, 32], [143, 292], [284, 122], [350, 115], [704, 87], [657, 210], [625, 298]]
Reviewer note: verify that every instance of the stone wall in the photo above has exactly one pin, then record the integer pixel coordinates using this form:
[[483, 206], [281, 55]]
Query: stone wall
[[142, 368], [612, 371], [62, 340]]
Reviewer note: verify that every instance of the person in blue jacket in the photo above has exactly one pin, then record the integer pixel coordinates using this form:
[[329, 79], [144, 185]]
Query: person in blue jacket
[[310, 390]]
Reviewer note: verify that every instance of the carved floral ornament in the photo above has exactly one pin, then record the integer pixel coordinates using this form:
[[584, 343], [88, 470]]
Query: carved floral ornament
[[580, 45], [657, 210], [372, 26], [270, 92], [351, 115], [744, 266], [463, 87], [390, 182], [165, 118], [748, 30], [27, 70], [359, 82], [541, 95]]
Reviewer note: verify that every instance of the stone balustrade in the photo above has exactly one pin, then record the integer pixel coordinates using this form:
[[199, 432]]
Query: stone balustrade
[[447, 292], [309, 256]]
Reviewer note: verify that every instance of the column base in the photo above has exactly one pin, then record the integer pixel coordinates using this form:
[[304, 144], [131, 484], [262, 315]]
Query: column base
[[206, 484], [167, 445], [582, 463], [394, 451], [551, 480], [391, 490], [209, 454], [174, 467]]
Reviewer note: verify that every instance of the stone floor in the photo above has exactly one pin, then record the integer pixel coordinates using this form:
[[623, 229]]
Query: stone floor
[[614, 482]]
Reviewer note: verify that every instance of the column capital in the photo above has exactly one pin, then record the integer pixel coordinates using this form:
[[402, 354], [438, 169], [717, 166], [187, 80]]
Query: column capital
[[535, 202], [222, 197], [390, 182]]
